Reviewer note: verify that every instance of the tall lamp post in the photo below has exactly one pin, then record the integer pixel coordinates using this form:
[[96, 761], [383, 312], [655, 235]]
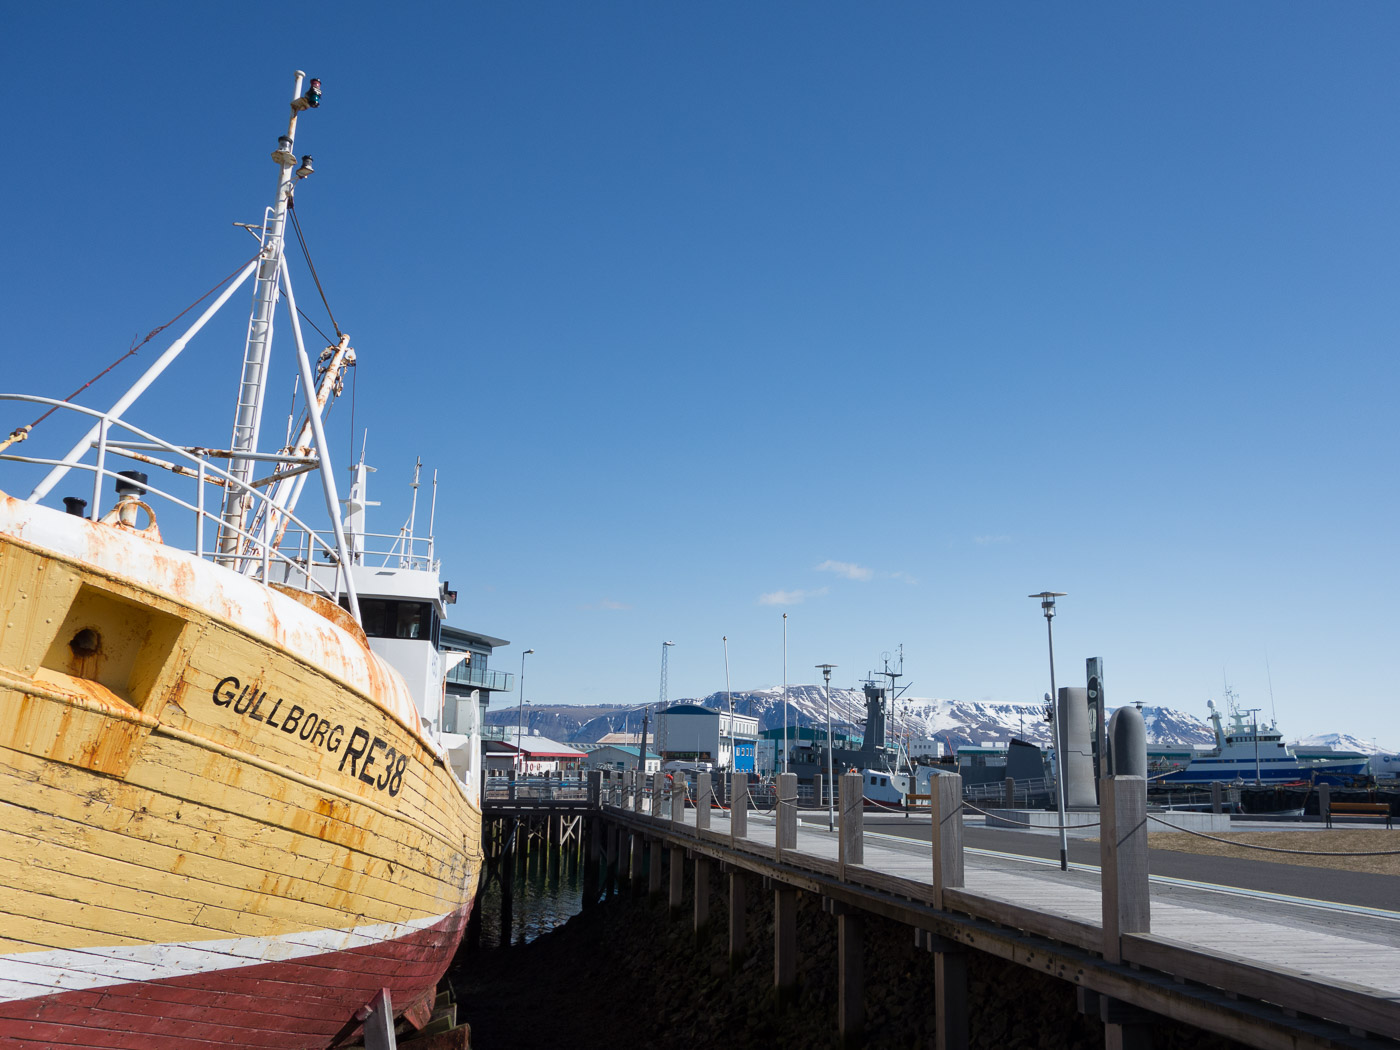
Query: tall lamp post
[[785, 700], [520, 716], [729, 702], [1047, 605], [830, 785]]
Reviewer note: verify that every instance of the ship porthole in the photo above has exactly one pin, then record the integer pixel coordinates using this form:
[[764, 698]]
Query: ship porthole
[[85, 643]]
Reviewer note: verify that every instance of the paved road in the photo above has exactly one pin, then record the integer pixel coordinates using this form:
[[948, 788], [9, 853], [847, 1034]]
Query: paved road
[[1354, 888]]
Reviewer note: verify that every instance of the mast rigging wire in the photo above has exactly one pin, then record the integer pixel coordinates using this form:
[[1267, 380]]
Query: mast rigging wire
[[137, 346], [296, 225]]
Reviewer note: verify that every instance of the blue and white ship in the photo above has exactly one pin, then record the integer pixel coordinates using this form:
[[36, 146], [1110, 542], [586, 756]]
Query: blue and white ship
[[1256, 753]]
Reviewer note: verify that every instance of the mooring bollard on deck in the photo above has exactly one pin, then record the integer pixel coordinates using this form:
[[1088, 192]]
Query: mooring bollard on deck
[[787, 813], [1009, 795], [704, 798], [1123, 861], [738, 806], [851, 846], [946, 800]]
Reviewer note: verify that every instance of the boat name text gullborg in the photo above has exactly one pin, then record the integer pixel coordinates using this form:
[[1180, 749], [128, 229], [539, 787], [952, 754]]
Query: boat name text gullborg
[[372, 759]]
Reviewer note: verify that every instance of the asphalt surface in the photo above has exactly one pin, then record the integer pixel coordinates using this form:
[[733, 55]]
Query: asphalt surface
[[1359, 889]]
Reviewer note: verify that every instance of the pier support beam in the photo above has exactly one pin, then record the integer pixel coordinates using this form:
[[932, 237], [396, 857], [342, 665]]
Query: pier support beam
[[610, 836], [653, 868], [1123, 861], [784, 941], [738, 916], [1124, 1027], [677, 900], [850, 968], [949, 990], [702, 893], [590, 865], [946, 799]]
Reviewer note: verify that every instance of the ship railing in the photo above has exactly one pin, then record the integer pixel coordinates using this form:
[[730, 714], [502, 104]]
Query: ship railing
[[268, 562], [386, 548]]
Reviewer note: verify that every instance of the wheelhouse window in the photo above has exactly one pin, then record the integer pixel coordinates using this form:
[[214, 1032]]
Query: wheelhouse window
[[387, 618]]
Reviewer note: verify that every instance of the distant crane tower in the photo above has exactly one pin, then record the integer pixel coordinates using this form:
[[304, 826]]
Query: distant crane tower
[[660, 705]]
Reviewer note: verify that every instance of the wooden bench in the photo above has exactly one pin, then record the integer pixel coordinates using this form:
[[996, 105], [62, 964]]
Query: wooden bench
[[1360, 809]]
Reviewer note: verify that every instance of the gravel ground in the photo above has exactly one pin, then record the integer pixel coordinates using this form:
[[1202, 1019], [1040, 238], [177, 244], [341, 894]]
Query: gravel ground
[[1325, 841]]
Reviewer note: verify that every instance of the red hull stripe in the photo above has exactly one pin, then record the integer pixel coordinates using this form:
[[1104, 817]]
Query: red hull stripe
[[294, 1003]]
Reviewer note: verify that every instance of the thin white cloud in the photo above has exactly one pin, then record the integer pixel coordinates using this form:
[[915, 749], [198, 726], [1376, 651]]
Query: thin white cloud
[[789, 597], [850, 570], [904, 577]]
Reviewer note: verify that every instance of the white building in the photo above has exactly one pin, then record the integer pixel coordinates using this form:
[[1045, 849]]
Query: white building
[[691, 733]]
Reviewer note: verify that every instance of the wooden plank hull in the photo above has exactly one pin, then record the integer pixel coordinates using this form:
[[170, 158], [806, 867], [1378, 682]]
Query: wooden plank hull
[[220, 822]]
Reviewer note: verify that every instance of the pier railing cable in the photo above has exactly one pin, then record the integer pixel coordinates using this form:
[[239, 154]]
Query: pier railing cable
[[1024, 824], [1278, 849]]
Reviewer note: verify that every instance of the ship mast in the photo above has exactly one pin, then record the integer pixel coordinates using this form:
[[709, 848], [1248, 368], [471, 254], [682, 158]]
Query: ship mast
[[253, 385]]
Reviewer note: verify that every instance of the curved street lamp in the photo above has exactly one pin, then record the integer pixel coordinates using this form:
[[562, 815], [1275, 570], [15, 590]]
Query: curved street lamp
[[830, 785], [1047, 605], [520, 717]]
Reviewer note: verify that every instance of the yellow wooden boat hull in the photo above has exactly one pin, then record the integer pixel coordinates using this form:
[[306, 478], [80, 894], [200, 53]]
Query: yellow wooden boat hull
[[220, 822]]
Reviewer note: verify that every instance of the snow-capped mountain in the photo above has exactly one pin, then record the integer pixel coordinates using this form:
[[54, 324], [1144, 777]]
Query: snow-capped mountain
[[1339, 742], [955, 723]]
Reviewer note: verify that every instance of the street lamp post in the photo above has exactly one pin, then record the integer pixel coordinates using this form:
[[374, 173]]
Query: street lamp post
[[826, 669], [520, 715], [786, 745], [1047, 605], [729, 702]]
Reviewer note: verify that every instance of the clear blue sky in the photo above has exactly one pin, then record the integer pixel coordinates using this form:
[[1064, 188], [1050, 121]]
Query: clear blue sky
[[686, 302]]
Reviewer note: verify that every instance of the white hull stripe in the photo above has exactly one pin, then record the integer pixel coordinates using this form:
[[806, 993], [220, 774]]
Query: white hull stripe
[[28, 975]]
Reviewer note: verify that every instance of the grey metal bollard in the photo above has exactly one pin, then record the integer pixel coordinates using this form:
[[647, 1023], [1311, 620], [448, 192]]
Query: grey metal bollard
[[851, 845], [1123, 861], [704, 796], [787, 813]]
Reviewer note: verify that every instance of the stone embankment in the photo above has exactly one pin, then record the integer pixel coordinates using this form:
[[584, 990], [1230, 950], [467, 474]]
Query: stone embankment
[[626, 974]]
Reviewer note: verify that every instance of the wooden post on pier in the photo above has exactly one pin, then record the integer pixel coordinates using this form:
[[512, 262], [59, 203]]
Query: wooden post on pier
[[678, 799], [784, 940], [677, 898], [738, 916], [949, 990], [946, 799], [1009, 795], [638, 845], [704, 796], [639, 790], [702, 893], [738, 807], [1123, 861], [1217, 796], [851, 845], [787, 813]]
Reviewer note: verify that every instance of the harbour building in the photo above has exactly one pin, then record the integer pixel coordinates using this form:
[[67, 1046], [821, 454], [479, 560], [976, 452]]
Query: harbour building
[[692, 733]]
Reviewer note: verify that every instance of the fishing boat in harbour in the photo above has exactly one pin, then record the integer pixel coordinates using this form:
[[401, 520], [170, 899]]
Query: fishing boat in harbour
[[228, 813], [1253, 753]]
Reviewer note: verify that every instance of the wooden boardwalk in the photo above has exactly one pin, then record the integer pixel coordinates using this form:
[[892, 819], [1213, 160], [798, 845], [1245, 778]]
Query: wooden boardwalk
[[1265, 972]]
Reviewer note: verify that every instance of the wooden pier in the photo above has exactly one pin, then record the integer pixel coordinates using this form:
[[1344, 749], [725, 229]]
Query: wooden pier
[[1266, 973]]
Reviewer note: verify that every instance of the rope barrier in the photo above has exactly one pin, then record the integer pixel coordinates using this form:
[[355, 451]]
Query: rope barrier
[[1276, 849], [1040, 827]]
